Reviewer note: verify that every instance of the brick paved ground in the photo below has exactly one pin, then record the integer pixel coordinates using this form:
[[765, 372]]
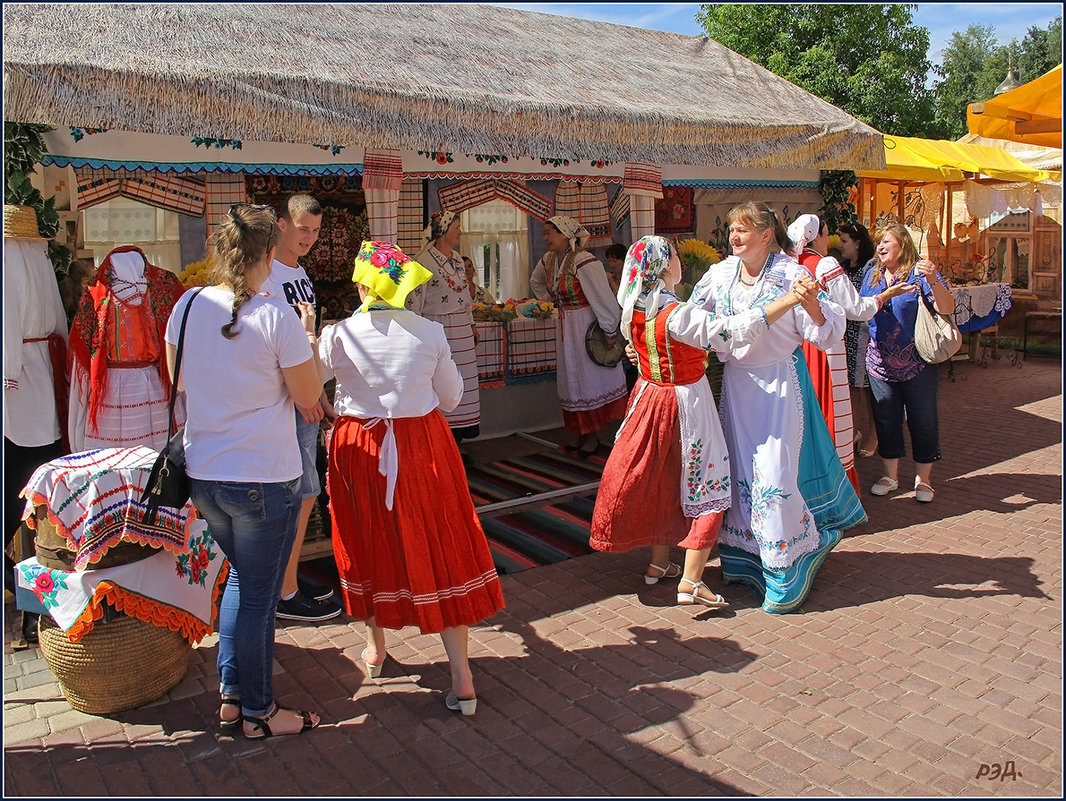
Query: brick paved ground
[[931, 645]]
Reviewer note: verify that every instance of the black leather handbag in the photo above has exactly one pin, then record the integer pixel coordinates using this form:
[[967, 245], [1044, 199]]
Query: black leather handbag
[[168, 483]]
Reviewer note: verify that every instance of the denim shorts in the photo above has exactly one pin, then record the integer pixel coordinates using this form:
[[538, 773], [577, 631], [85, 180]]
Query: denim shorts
[[307, 434]]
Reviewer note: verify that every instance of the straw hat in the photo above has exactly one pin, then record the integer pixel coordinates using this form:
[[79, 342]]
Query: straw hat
[[20, 223]]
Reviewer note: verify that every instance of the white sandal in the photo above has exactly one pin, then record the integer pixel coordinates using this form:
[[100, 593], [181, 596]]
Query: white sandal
[[923, 491], [670, 571], [884, 485], [694, 597]]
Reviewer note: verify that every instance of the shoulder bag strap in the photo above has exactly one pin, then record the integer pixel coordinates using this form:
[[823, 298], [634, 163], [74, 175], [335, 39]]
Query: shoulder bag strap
[[177, 363]]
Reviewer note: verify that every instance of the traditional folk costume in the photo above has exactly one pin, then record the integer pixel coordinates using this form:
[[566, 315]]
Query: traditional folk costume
[[591, 395], [409, 546], [667, 479], [119, 384], [829, 367], [791, 500], [446, 300]]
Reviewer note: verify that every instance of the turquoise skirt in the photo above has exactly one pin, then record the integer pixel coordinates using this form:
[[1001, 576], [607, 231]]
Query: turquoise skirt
[[828, 494]]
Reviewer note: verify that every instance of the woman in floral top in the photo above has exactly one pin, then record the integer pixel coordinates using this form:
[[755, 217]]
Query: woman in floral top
[[666, 482], [446, 300], [903, 386]]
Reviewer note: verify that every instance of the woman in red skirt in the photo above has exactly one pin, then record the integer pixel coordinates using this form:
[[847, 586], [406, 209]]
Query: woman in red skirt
[[409, 547], [666, 482]]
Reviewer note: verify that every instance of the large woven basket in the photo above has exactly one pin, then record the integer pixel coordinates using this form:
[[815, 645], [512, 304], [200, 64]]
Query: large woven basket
[[20, 222], [117, 666], [53, 549]]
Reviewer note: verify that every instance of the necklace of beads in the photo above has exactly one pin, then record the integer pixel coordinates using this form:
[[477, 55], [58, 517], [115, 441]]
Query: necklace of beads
[[749, 287]]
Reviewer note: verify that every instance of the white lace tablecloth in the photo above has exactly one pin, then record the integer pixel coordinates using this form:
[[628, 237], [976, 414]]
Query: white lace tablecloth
[[973, 304]]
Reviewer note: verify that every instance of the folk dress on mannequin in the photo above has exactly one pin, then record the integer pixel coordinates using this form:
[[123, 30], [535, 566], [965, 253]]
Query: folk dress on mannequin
[[119, 386]]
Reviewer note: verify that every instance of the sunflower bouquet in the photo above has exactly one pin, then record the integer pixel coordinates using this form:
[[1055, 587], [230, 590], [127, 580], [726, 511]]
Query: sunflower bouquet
[[696, 258], [197, 274]]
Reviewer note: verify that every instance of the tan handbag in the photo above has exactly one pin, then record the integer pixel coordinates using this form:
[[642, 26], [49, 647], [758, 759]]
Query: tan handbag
[[936, 337]]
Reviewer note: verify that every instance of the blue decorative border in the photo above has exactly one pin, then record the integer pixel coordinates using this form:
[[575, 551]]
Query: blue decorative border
[[722, 183], [255, 169]]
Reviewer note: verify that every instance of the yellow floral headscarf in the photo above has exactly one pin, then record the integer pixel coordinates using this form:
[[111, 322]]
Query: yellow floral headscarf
[[388, 273]]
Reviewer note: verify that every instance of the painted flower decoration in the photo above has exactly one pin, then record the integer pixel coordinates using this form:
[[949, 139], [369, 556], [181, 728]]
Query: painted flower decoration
[[44, 584]]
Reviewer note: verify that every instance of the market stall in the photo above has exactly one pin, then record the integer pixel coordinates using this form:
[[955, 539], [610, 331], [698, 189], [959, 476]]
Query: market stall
[[481, 110], [941, 189]]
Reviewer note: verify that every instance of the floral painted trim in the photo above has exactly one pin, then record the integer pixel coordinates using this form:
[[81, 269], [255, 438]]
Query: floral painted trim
[[193, 565], [46, 585]]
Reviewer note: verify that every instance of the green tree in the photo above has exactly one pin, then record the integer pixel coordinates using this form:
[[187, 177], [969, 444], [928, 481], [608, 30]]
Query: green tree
[[1040, 50], [975, 64], [966, 76], [868, 59]]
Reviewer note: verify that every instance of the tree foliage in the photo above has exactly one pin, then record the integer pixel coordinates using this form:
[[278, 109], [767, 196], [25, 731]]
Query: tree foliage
[[975, 64], [868, 59]]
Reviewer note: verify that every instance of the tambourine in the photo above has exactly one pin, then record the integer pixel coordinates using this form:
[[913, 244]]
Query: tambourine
[[599, 351]]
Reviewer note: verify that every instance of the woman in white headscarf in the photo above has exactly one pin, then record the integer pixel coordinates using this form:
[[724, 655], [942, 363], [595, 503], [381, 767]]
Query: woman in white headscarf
[[666, 482], [575, 281], [829, 367], [446, 300]]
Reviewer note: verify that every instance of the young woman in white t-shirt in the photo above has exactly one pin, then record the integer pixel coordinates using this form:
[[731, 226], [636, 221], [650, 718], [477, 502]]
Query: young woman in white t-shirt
[[246, 359]]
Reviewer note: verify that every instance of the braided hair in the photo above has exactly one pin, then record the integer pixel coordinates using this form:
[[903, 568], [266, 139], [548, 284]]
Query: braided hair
[[240, 243]]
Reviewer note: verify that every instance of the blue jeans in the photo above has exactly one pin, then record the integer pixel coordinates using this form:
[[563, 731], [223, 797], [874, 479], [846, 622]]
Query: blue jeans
[[307, 436], [918, 397], [255, 526]]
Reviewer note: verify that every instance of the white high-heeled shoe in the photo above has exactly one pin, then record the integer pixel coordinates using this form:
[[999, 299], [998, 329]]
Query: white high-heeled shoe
[[468, 706], [373, 671]]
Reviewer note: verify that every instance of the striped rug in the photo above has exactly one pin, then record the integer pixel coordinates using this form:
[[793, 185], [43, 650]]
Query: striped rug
[[539, 535]]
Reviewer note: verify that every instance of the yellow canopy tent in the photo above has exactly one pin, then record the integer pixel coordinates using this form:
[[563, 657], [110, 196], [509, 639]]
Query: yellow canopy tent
[[914, 165], [1032, 113], [909, 159]]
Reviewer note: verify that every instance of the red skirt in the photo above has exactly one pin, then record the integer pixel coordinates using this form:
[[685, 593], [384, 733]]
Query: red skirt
[[426, 561], [592, 420], [639, 501]]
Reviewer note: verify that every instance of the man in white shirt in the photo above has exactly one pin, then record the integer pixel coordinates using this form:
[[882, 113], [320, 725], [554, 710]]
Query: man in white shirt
[[299, 224]]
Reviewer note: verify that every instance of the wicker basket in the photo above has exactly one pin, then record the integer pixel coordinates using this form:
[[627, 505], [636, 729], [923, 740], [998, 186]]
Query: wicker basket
[[20, 222], [117, 666], [53, 549]]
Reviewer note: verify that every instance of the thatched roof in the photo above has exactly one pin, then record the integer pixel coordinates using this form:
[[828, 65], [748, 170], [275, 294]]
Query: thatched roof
[[468, 78]]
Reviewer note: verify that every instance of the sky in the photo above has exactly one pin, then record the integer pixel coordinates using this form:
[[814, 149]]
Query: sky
[[1010, 20]]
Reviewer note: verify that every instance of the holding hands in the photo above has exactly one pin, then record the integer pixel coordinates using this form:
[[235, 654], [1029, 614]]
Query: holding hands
[[805, 291]]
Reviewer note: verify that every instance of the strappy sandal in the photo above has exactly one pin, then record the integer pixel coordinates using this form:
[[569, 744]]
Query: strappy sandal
[[694, 597], [670, 571], [262, 725], [225, 724]]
